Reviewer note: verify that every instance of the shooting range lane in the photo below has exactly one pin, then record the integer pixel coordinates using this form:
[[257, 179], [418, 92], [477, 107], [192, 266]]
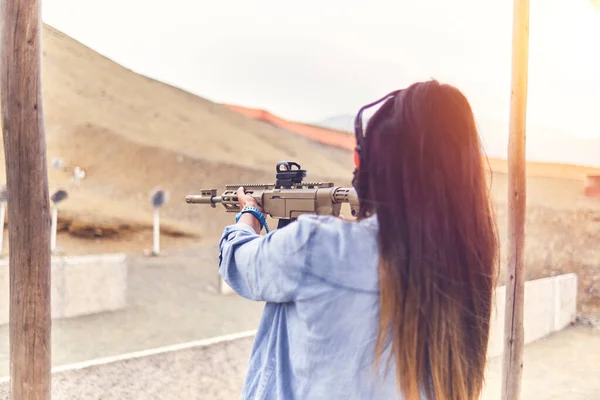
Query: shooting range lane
[[171, 299]]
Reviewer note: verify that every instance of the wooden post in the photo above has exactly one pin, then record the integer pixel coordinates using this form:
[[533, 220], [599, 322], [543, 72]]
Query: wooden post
[[515, 280], [28, 199]]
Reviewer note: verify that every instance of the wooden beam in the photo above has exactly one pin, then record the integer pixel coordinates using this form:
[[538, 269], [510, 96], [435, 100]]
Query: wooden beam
[[28, 200], [515, 287]]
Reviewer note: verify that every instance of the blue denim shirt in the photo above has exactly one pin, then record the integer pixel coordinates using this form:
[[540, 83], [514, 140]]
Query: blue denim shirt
[[316, 340]]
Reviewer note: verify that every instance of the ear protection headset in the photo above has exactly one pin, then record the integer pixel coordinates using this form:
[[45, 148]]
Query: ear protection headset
[[358, 128]]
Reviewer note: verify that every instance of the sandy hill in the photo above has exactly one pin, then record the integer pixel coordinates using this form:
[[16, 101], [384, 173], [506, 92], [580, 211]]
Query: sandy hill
[[131, 134]]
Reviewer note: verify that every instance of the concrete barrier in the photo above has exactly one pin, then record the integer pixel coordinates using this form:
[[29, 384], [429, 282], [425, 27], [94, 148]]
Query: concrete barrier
[[550, 305], [215, 368], [81, 285]]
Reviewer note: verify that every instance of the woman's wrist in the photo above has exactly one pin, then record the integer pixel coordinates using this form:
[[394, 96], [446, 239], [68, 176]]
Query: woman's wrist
[[253, 216], [249, 219]]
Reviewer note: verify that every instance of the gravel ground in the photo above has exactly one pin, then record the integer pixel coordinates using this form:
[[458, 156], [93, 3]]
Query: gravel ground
[[172, 299], [561, 366], [211, 373]]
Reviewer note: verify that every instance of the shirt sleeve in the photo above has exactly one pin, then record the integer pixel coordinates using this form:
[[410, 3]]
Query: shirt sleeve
[[266, 268]]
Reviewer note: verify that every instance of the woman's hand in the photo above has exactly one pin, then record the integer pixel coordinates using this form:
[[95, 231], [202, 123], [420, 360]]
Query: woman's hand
[[246, 200], [247, 218]]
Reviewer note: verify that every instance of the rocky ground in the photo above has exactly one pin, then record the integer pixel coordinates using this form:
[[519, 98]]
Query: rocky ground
[[590, 320]]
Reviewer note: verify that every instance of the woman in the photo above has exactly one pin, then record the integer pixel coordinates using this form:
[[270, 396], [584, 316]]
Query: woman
[[397, 304]]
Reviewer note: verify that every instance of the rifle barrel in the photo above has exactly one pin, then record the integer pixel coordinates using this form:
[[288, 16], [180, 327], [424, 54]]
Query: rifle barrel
[[198, 199]]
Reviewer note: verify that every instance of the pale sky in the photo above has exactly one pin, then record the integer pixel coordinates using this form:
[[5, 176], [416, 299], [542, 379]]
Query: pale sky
[[317, 59]]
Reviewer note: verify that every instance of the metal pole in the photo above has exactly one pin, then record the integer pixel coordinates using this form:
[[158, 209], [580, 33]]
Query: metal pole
[[29, 211], [515, 279]]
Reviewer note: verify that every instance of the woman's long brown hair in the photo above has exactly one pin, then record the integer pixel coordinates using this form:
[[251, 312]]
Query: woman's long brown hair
[[422, 174]]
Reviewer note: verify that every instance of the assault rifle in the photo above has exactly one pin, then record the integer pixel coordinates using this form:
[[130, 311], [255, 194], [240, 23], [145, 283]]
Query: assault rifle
[[287, 198]]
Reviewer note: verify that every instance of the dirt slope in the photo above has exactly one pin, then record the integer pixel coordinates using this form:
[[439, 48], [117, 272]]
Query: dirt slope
[[131, 134]]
